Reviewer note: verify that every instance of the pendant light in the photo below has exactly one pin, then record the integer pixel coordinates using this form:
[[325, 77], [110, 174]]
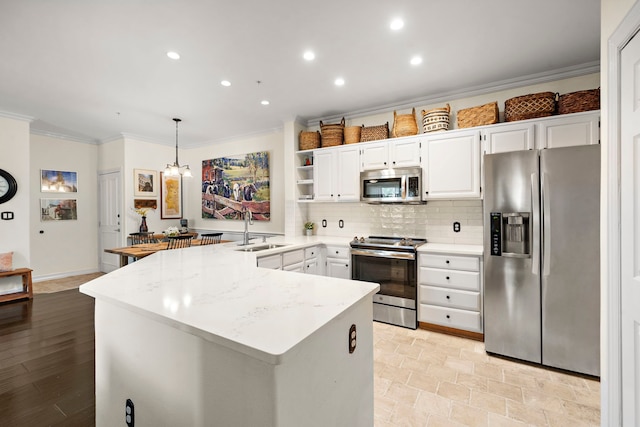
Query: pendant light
[[175, 169]]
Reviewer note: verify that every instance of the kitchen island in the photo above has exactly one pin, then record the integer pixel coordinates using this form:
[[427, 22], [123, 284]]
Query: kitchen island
[[202, 337]]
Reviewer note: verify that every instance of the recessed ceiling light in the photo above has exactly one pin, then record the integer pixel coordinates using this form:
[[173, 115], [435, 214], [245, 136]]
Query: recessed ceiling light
[[416, 60], [264, 102], [309, 56], [339, 81], [396, 24], [173, 55], [225, 83]]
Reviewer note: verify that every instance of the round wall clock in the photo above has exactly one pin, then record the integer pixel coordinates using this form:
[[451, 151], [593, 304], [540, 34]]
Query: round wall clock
[[8, 186]]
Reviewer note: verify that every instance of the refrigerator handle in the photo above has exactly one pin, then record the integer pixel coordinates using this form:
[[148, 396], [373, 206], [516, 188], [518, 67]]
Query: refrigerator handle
[[535, 204], [546, 224]]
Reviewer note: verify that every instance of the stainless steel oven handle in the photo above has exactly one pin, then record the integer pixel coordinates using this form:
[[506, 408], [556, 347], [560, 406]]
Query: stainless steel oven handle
[[378, 253]]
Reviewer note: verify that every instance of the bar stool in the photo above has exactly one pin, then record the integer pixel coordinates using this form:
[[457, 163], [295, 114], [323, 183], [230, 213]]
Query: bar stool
[[210, 238], [177, 242], [142, 237]]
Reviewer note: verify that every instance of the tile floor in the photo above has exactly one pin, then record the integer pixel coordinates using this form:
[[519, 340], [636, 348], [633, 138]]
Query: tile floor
[[428, 379]]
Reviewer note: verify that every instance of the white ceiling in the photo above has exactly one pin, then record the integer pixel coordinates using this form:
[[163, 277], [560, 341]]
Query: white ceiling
[[95, 69]]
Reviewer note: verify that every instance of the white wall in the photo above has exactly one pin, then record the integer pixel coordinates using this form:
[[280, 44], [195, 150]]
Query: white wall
[[271, 142], [60, 248], [146, 155], [14, 234]]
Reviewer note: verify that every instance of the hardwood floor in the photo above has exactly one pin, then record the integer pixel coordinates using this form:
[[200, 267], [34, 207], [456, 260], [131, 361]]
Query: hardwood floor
[[47, 361]]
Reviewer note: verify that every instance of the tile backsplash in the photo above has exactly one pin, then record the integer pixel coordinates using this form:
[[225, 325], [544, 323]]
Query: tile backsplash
[[433, 220]]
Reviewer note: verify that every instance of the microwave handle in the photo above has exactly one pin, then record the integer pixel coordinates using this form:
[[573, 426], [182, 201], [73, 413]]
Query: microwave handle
[[403, 186]]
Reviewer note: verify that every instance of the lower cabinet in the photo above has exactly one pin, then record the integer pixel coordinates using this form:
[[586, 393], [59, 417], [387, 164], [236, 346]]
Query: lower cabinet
[[272, 261], [450, 293], [338, 261], [312, 264]]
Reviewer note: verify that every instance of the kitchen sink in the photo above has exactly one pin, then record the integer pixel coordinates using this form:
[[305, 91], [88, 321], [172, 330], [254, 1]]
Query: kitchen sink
[[262, 247]]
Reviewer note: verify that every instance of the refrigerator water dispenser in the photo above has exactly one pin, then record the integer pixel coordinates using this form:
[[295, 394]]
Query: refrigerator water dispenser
[[510, 234]]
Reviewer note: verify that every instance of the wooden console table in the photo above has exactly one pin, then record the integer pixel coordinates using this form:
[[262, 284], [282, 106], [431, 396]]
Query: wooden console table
[[27, 285]]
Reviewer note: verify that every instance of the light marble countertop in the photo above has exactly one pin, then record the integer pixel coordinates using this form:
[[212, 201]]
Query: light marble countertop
[[219, 294], [450, 248]]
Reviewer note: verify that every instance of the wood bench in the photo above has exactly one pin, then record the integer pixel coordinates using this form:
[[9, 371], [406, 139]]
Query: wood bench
[[27, 285]]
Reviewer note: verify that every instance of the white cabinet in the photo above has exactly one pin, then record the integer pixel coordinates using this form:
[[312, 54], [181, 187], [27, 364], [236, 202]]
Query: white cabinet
[[569, 130], [451, 165], [508, 137], [336, 175], [450, 291], [338, 261], [394, 153], [312, 260], [272, 261], [293, 261]]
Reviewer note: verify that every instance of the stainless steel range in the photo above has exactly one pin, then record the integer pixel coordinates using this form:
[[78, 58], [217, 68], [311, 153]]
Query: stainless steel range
[[391, 262]]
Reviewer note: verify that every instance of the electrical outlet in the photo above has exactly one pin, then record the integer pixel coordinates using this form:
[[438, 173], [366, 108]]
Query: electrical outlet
[[352, 339], [456, 227], [129, 413]]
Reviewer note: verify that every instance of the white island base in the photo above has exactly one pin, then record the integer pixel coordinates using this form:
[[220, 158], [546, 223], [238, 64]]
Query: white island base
[[175, 378]]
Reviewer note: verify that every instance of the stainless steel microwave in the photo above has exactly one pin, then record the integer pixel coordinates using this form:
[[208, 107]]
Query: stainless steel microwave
[[402, 185]]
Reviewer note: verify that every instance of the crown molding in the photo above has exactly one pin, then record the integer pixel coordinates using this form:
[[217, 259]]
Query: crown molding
[[531, 79], [64, 137], [236, 137], [16, 116]]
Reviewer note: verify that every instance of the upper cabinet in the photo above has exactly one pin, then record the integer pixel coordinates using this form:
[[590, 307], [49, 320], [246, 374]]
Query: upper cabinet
[[509, 137], [451, 165], [336, 174], [569, 130], [392, 153]]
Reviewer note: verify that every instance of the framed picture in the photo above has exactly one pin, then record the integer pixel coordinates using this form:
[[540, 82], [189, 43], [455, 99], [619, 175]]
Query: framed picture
[[58, 209], [145, 183], [52, 181], [170, 196], [145, 203], [235, 183]]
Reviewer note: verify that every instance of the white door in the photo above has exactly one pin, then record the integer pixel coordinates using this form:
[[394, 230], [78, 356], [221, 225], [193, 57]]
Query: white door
[[109, 219], [630, 231]]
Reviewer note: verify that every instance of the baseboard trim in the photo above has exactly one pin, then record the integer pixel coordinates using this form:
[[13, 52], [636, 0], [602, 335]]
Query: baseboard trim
[[63, 275], [478, 336]]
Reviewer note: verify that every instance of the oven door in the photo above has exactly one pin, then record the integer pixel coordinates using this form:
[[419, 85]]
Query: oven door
[[394, 271]]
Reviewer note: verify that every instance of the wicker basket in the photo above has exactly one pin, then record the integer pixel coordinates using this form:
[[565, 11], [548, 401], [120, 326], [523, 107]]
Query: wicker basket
[[352, 134], [332, 134], [374, 133], [575, 102], [436, 119], [309, 140], [530, 106], [404, 124], [486, 114]]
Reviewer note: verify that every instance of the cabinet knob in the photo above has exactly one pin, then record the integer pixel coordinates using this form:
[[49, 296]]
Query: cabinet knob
[[346, 265], [394, 162], [448, 297], [337, 252], [447, 261], [385, 163], [448, 317], [447, 277]]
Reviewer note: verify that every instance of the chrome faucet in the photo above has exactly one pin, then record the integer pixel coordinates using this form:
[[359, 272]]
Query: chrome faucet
[[248, 219]]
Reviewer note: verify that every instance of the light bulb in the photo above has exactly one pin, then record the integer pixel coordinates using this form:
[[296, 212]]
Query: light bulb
[[187, 172]]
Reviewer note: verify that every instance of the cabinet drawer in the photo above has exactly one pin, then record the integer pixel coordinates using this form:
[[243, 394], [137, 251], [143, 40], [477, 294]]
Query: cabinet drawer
[[272, 261], [292, 257], [338, 252], [299, 267], [468, 280], [450, 317], [311, 252], [452, 262], [449, 298]]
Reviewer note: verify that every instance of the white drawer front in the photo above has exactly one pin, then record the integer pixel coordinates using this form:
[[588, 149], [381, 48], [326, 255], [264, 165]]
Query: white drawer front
[[452, 262], [451, 317], [338, 252], [299, 267], [272, 261], [449, 298], [449, 278], [311, 252], [292, 257]]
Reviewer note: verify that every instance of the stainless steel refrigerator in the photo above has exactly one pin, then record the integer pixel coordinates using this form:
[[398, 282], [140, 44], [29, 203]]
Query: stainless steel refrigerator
[[542, 256]]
